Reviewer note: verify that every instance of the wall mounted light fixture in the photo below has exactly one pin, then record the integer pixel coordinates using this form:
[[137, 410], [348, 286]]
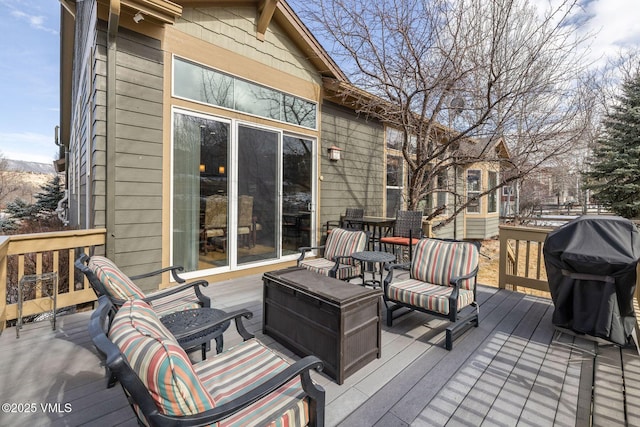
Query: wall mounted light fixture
[[334, 153], [202, 167], [221, 170], [138, 17]]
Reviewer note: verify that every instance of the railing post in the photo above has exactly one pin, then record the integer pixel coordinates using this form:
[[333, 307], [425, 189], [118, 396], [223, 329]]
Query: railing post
[[4, 244], [502, 268]]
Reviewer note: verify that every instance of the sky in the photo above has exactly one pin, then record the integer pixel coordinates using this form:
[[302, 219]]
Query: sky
[[29, 66]]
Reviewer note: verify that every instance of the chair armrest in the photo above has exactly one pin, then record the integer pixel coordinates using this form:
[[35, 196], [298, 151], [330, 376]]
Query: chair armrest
[[453, 297], [304, 249], [339, 258], [206, 301], [300, 368], [173, 269], [390, 268]]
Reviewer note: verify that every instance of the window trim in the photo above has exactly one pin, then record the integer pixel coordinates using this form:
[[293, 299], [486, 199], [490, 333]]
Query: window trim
[[474, 192]]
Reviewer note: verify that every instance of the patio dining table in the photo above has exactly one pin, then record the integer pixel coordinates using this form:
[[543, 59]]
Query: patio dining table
[[378, 226]]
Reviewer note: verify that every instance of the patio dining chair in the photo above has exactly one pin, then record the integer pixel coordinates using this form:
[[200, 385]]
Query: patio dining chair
[[406, 232], [442, 282], [107, 279], [336, 261], [353, 219]]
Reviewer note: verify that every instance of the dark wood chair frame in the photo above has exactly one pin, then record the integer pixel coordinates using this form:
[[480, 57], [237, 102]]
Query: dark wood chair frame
[[461, 319], [139, 395]]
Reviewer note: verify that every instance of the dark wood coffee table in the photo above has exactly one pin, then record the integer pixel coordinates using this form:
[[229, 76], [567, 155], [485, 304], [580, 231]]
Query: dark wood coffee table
[[312, 314]]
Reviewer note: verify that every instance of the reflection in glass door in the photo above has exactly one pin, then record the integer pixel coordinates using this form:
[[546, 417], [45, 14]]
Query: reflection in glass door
[[200, 192], [257, 194], [297, 162]]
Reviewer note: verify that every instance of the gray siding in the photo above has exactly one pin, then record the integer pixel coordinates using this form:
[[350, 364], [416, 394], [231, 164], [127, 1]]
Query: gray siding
[[137, 170], [357, 179], [137, 201], [234, 29], [83, 104], [482, 228]]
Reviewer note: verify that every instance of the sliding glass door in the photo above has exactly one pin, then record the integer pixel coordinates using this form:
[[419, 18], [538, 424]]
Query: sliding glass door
[[242, 194], [297, 187], [200, 192], [258, 184]]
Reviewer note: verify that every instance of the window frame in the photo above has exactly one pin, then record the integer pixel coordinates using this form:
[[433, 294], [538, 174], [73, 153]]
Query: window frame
[[475, 192]]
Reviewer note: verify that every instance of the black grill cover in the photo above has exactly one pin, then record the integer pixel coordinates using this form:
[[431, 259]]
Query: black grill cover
[[591, 269]]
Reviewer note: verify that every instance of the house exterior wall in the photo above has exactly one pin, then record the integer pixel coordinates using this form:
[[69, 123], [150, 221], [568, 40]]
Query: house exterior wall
[[232, 29], [483, 224], [136, 169], [84, 96], [357, 179]]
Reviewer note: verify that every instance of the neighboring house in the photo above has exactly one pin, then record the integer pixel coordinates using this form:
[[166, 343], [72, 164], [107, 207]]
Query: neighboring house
[[481, 218], [198, 133]]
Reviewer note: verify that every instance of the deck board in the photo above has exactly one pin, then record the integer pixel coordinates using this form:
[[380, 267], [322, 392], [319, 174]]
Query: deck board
[[511, 370]]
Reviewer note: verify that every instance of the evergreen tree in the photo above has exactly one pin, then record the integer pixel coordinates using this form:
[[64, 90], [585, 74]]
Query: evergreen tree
[[614, 177], [19, 210], [49, 196]]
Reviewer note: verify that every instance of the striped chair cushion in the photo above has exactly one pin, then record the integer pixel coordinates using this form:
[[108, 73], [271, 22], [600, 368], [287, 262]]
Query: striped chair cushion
[[121, 287], [343, 242], [323, 265], [180, 301], [437, 261], [159, 361], [230, 374], [115, 281], [427, 295]]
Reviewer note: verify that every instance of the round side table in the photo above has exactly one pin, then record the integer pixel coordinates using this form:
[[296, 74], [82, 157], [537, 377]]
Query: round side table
[[373, 257], [195, 327]]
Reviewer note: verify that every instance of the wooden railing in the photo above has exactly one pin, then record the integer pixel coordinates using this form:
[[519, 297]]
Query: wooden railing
[[521, 261], [29, 254]]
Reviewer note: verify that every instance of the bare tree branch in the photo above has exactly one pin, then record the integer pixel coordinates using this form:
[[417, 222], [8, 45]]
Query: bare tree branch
[[455, 77]]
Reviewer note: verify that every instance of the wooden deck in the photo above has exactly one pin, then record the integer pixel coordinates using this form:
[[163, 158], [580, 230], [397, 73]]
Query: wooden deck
[[511, 370]]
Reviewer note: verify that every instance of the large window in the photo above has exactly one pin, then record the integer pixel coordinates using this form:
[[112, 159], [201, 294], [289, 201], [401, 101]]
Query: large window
[[492, 204], [203, 84], [442, 185], [395, 176], [474, 185]]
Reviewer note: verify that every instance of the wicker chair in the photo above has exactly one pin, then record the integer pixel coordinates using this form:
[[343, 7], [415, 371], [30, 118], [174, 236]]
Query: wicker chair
[[353, 219], [407, 230], [336, 261], [248, 384], [442, 282]]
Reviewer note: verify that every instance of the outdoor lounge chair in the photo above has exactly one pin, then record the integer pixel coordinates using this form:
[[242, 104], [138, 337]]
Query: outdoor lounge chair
[[107, 279], [407, 230], [442, 282], [246, 385], [336, 261]]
